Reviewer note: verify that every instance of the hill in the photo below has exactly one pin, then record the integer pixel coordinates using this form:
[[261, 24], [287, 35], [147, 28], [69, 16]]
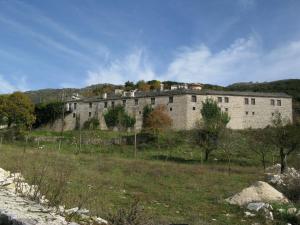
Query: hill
[[291, 87]]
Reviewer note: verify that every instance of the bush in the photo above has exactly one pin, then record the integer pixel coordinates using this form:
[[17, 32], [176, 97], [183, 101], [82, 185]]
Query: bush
[[118, 117], [91, 124]]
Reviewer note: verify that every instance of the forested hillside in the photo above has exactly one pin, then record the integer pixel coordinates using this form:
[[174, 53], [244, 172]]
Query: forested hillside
[[291, 87]]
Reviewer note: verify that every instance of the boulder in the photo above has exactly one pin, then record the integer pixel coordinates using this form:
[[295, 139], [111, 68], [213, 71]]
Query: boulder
[[258, 192]]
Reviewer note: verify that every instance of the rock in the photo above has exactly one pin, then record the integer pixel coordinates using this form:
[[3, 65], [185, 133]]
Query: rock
[[249, 214], [291, 211], [100, 220], [71, 211], [83, 211], [256, 206], [258, 192]]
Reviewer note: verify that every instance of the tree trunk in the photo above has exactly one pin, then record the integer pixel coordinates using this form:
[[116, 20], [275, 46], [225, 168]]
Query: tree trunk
[[206, 155], [283, 161]]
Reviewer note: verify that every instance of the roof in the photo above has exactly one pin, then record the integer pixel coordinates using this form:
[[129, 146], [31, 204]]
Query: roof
[[140, 94]]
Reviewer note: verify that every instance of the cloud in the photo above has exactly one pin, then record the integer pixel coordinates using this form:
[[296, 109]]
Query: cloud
[[135, 66], [9, 87], [246, 4], [244, 60]]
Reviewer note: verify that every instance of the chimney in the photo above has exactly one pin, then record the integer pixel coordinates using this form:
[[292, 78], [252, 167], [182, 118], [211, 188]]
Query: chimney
[[161, 87]]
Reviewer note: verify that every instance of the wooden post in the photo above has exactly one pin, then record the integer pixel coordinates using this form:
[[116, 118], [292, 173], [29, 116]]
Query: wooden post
[[135, 148]]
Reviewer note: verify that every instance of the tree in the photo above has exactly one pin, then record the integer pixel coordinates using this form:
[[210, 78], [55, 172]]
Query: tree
[[146, 111], [142, 86], [157, 119], [129, 86], [117, 117], [154, 84], [19, 110], [3, 111], [286, 138], [259, 143], [214, 122]]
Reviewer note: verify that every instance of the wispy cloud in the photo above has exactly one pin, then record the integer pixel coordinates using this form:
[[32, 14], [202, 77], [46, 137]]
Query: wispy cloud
[[243, 60], [19, 84], [134, 66]]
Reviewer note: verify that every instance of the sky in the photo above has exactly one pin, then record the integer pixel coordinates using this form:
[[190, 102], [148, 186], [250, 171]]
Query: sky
[[75, 43]]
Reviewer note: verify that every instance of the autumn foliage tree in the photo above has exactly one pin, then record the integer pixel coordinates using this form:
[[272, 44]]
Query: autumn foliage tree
[[18, 110], [157, 120]]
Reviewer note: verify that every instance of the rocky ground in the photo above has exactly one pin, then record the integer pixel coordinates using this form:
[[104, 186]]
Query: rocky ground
[[16, 208], [259, 197]]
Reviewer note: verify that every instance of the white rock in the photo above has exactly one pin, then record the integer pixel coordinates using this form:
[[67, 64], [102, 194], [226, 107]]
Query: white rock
[[71, 211], [256, 206], [249, 214], [258, 192], [291, 211]]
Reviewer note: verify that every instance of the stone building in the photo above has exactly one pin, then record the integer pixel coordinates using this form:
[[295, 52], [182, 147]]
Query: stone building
[[246, 109]]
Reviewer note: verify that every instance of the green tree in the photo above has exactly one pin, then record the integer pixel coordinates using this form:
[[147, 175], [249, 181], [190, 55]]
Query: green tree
[[3, 111], [129, 86], [214, 122], [286, 137], [142, 86], [118, 117], [154, 84], [19, 110]]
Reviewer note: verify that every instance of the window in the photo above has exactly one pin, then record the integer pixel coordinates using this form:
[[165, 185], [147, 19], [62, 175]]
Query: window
[[171, 109], [90, 114], [279, 102], [152, 101], [252, 101], [171, 99], [226, 99], [194, 108], [226, 109], [246, 112], [194, 98], [136, 101], [124, 102], [273, 114], [105, 104], [246, 101], [75, 105], [140, 112], [74, 115], [91, 105], [272, 102], [219, 99], [112, 104], [253, 113]]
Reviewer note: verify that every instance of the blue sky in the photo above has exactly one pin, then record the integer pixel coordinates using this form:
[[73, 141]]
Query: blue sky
[[74, 43]]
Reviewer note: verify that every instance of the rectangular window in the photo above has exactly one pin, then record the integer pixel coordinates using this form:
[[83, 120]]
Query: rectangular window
[[253, 113], [136, 101], [152, 101], [91, 105], [194, 108], [105, 104], [246, 101], [112, 104], [124, 102], [279, 102], [219, 99], [90, 114], [226, 99], [252, 101], [273, 114], [171, 109], [194, 98], [226, 109], [171, 99], [246, 112], [272, 102], [75, 105], [74, 115]]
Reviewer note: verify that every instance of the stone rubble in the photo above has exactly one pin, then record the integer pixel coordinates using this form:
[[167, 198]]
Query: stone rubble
[[17, 209], [258, 192]]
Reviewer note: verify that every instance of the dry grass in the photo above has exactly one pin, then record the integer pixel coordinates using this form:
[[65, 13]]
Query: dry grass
[[168, 191]]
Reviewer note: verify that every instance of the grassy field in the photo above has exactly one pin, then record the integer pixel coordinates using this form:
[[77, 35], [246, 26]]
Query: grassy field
[[171, 183]]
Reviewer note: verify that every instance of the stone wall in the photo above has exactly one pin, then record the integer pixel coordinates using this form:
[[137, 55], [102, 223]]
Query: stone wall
[[185, 113]]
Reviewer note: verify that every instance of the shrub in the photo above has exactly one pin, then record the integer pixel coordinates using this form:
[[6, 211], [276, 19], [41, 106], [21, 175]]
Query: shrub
[[91, 124], [118, 117]]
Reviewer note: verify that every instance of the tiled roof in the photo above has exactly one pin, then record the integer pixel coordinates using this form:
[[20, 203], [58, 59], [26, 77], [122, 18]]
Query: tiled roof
[[140, 94]]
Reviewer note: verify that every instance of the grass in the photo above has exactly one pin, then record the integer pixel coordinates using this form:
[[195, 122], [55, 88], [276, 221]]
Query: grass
[[169, 181]]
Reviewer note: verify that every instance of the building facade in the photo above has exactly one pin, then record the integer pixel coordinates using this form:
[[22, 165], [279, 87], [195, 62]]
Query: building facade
[[246, 109]]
